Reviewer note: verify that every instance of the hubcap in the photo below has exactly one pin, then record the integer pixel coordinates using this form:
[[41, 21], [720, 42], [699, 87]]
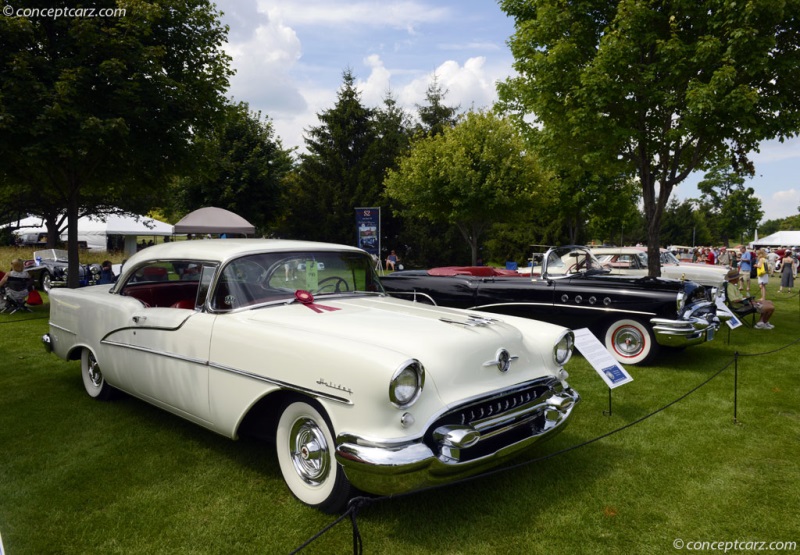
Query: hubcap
[[95, 376], [628, 341], [309, 451]]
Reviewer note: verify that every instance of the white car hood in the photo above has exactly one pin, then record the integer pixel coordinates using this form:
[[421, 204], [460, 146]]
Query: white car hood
[[456, 350]]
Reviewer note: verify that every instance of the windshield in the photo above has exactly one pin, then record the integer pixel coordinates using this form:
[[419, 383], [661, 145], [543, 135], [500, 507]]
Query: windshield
[[564, 261], [669, 258], [277, 276], [50, 254]]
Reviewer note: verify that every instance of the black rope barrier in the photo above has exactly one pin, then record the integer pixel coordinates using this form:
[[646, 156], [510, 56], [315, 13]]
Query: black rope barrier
[[14, 321], [357, 503]]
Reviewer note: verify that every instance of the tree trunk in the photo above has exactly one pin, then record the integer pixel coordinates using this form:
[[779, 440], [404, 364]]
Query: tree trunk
[[73, 253]]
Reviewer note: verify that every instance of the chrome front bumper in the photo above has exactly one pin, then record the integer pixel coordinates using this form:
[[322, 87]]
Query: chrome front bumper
[[684, 333], [452, 450]]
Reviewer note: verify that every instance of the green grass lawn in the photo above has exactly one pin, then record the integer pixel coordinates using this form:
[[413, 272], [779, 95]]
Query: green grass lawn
[[80, 476]]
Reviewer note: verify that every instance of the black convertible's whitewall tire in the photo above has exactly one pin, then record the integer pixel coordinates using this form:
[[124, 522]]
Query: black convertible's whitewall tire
[[45, 281], [93, 380], [306, 455], [631, 341]]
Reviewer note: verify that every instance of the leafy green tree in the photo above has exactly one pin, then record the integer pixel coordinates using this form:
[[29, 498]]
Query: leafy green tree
[[730, 207], [243, 165], [683, 224], [653, 89], [471, 176], [96, 111]]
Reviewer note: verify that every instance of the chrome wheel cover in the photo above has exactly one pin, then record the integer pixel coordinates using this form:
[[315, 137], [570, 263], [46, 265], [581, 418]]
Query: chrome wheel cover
[[628, 341], [309, 451], [95, 375]]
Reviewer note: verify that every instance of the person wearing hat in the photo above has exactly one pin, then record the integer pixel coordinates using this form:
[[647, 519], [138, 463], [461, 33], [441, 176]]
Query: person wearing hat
[[737, 302]]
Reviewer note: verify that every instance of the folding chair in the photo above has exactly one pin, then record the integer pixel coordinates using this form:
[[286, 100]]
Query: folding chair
[[16, 291], [747, 308]]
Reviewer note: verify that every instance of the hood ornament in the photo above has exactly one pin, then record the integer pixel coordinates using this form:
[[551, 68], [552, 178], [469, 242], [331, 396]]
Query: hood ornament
[[502, 360], [472, 322]]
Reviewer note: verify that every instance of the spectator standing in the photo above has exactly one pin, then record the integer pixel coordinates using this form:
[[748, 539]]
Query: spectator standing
[[724, 258], [762, 268], [787, 271], [772, 258], [710, 257], [745, 267]]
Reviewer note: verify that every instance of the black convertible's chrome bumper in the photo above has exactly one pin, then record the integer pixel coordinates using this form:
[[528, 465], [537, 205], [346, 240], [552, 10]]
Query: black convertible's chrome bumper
[[456, 445]]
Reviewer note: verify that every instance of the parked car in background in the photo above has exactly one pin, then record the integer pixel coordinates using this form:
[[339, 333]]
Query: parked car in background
[[49, 267], [632, 316], [632, 261], [356, 388]]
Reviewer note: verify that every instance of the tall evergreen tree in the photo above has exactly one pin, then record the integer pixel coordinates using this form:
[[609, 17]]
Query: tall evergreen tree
[[435, 116], [334, 176]]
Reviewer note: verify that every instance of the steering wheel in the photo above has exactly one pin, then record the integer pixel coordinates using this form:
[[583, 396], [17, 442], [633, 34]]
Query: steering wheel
[[338, 284]]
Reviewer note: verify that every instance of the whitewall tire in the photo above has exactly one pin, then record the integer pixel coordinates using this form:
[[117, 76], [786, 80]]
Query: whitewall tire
[[93, 380], [631, 342], [306, 455]]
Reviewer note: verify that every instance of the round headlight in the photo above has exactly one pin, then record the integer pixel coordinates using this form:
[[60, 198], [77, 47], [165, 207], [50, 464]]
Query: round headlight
[[562, 351], [406, 384]]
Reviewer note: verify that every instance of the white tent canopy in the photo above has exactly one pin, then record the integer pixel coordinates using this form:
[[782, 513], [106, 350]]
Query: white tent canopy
[[214, 220], [779, 239], [96, 229]]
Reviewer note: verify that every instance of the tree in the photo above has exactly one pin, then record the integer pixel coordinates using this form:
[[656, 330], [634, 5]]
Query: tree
[[335, 175], [730, 207], [243, 167], [470, 176], [435, 116], [684, 225], [99, 111], [655, 90]]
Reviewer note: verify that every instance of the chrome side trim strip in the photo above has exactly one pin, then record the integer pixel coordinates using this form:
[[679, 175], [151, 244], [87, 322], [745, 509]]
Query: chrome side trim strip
[[552, 305], [281, 384], [257, 377]]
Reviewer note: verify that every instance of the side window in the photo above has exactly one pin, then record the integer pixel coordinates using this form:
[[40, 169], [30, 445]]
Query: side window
[[206, 276]]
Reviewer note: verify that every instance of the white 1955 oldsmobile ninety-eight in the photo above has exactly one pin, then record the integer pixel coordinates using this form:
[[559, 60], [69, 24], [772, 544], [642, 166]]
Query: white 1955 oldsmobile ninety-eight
[[297, 341]]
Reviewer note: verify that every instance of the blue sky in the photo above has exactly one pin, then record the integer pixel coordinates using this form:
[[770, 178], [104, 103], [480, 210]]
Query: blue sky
[[289, 56]]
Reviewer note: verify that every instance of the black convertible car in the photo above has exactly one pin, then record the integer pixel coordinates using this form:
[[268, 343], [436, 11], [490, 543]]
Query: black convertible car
[[49, 268], [633, 316]]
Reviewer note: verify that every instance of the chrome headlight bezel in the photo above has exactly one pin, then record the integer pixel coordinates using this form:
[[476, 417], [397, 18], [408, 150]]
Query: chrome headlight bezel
[[406, 384], [680, 302], [563, 348]]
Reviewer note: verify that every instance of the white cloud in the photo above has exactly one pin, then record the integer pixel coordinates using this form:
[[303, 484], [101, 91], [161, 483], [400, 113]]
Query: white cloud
[[263, 62], [326, 13], [775, 151]]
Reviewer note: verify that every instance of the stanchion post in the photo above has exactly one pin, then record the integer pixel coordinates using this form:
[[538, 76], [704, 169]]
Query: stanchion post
[[608, 412], [735, 385]]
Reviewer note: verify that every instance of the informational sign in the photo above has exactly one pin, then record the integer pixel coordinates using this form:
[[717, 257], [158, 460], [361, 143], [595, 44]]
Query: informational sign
[[601, 359], [368, 230], [722, 308]]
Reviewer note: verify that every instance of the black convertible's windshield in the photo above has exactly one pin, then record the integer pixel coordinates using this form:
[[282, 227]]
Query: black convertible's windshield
[[567, 261], [277, 276]]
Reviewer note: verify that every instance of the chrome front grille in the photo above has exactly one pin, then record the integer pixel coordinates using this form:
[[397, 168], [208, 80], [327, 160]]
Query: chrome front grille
[[498, 421]]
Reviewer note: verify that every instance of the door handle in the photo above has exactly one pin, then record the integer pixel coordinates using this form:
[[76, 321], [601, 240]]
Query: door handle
[[139, 319]]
